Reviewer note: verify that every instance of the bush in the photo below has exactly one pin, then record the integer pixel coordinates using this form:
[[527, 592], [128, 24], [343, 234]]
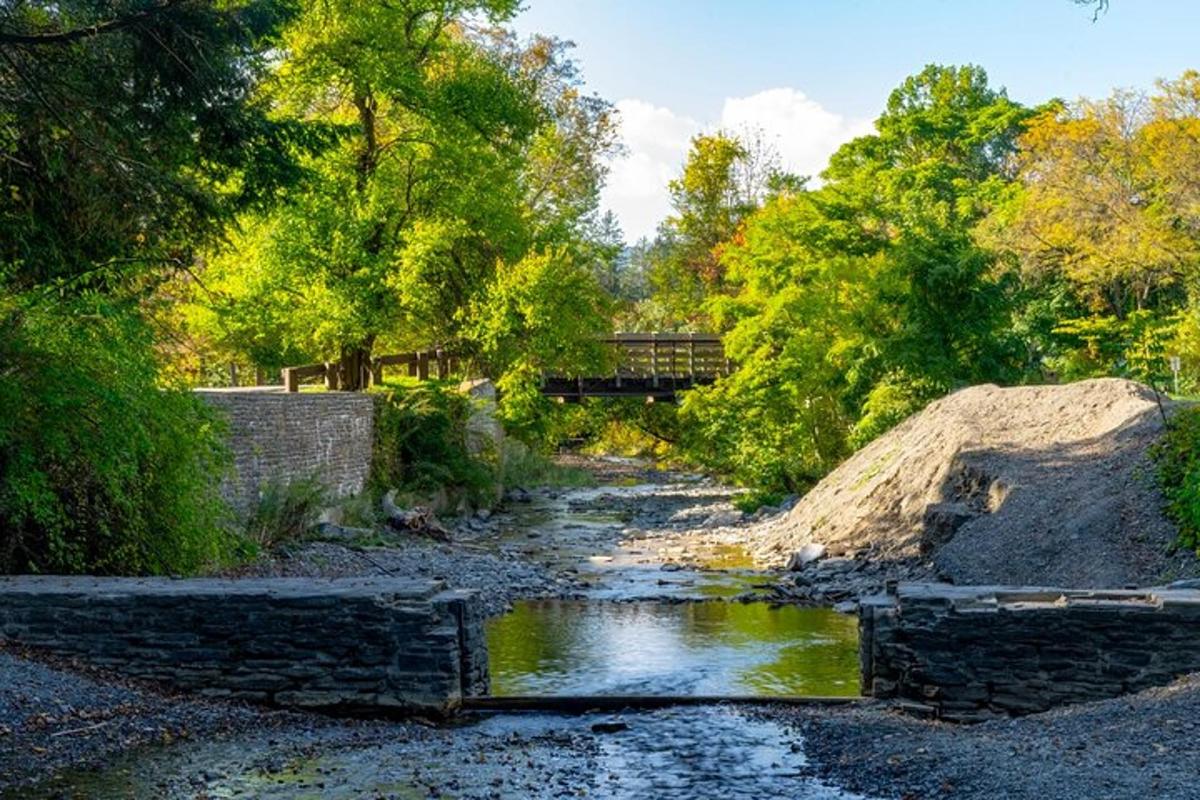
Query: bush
[[101, 469], [421, 448], [891, 401], [285, 511], [1178, 458]]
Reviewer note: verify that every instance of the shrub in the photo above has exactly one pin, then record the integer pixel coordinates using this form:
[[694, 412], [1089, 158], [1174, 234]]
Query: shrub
[[285, 511], [421, 447], [101, 469], [1178, 458]]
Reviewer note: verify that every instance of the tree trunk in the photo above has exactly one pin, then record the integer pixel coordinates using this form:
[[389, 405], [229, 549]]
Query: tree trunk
[[354, 366]]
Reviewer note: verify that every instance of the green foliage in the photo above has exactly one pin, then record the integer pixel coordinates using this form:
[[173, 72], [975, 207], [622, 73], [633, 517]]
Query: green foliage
[[1135, 346], [125, 147], [462, 155], [890, 402], [723, 180], [1178, 458], [286, 511], [752, 501], [101, 469], [542, 315], [420, 446], [127, 141], [849, 306]]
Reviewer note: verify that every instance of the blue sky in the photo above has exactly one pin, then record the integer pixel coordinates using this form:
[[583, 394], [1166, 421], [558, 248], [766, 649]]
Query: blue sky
[[813, 73]]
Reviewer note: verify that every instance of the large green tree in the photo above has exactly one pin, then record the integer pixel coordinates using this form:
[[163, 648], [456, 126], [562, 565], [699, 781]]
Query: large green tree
[[461, 152], [854, 303], [127, 139]]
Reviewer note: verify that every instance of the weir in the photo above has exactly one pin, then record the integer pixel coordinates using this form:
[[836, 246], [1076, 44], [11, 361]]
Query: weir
[[965, 651], [372, 645]]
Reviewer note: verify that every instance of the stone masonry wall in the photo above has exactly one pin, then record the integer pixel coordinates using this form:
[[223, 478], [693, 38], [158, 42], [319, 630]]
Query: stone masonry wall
[[379, 644], [276, 436], [967, 651]]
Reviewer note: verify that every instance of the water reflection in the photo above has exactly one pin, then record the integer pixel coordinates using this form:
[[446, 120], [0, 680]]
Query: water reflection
[[700, 648]]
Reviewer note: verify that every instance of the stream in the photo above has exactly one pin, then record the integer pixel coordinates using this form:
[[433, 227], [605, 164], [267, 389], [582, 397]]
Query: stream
[[650, 613]]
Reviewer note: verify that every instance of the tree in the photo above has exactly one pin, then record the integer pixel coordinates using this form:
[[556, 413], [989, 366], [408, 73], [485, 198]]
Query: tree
[[1107, 207], [851, 305], [126, 137], [723, 180], [127, 140], [1106, 197], [460, 152]]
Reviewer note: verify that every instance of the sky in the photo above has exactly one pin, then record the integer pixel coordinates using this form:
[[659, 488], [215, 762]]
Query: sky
[[812, 74]]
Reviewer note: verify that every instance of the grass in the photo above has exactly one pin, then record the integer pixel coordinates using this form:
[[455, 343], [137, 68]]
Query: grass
[[521, 466]]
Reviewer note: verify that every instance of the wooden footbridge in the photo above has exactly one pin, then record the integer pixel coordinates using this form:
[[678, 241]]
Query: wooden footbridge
[[650, 365]]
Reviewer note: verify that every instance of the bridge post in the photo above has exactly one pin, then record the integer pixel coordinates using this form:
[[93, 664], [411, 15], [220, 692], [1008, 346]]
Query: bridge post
[[443, 366], [691, 358], [331, 376], [654, 360], [422, 365]]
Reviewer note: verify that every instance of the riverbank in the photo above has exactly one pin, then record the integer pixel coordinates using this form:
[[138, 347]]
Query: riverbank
[[638, 534], [1130, 748]]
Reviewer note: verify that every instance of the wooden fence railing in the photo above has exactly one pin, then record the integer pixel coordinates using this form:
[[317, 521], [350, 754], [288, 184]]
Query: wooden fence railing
[[420, 364]]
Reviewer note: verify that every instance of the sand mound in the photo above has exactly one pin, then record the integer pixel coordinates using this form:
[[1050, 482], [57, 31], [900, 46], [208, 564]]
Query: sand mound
[[1027, 485]]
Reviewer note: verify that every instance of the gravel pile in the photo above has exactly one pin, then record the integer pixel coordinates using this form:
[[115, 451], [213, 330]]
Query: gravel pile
[[1028, 485]]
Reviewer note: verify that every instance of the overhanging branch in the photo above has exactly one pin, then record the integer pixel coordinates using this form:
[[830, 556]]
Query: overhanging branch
[[8, 38]]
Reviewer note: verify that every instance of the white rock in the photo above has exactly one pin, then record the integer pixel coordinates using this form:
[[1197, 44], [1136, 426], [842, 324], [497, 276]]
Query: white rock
[[806, 555]]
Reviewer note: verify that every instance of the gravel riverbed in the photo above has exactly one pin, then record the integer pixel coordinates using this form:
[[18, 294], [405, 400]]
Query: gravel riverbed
[[70, 731], [1132, 748]]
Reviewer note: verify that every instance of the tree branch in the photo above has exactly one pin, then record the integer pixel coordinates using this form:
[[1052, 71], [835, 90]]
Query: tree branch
[[66, 37]]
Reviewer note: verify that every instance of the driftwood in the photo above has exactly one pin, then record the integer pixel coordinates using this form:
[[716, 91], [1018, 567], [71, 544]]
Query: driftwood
[[413, 520]]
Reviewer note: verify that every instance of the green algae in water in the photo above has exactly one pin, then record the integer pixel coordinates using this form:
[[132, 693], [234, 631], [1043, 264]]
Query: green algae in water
[[653, 648]]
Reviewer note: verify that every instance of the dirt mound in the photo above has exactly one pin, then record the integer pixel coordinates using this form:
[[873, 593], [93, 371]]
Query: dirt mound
[[1026, 485]]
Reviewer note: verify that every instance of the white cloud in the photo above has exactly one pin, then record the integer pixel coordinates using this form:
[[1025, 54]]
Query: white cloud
[[656, 140]]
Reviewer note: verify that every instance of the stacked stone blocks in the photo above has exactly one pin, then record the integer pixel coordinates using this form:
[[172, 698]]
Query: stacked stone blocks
[[963, 652], [354, 645]]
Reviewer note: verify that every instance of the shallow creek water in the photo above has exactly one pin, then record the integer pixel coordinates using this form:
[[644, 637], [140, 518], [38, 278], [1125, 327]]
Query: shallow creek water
[[551, 647], [635, 628]]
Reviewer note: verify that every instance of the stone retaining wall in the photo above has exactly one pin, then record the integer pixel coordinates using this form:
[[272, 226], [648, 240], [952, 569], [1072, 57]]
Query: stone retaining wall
[[281, 437], [348, 644], [966, 651]]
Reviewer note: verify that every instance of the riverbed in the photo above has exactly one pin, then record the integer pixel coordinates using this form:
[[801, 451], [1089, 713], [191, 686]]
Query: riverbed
[[636, 588]]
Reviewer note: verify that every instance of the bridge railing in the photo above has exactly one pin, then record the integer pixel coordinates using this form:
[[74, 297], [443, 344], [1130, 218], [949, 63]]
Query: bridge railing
[[668, 356], [640, 363]]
